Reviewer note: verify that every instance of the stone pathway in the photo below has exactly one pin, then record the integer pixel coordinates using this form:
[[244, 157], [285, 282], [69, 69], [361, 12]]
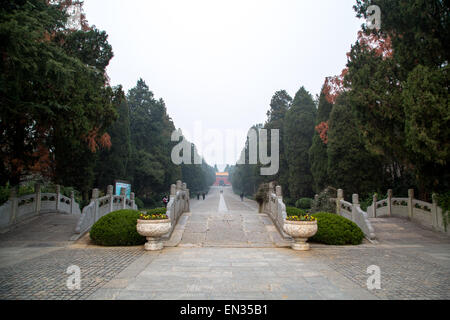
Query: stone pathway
[[223, 220], [233, 253], [50, 229], [229, 274], [44, 277]]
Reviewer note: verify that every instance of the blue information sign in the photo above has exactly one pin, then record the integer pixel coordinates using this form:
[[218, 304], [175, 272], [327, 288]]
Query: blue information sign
[[123, 185]]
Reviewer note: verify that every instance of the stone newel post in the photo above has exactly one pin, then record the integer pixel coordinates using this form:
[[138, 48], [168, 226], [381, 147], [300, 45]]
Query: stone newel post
[[95, 194], [355, 204], [37, 191], [186, 203], [279, 192], [72, 201], [410, 203], [173, 191], [390, 202], [340, 196], [434, 212], [58, 196], [124, 198], [110, 193], [374, 205]]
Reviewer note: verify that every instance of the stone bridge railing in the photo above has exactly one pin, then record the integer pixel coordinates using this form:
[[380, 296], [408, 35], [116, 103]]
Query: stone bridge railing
[[424, 213], [19, 209], [101, 206], [275, 208], [353, 212], [178, 203]]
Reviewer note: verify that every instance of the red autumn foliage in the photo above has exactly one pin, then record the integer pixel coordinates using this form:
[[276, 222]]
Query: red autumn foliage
[[322, 130], [16, 166], [66, 5], [44, 164], [380, 46], [334, 86], [95, 141]]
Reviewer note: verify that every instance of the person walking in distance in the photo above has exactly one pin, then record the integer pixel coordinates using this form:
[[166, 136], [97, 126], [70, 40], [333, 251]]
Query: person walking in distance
[[242, 196], [203, 195], [198, 195], [165, 201]]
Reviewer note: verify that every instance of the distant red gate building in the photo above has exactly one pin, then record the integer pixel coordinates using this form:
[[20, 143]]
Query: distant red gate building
[[222, 179]]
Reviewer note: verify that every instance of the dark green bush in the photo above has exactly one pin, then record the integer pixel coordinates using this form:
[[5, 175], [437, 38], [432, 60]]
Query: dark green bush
[[139, 203], [365, 203], [4, 194], [304, 203], [293, 211], [289, 202], [323, 203], [117, 228], [336, 230]]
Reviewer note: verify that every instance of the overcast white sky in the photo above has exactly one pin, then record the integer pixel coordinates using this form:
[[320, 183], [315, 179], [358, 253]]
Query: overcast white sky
[[217, 63]]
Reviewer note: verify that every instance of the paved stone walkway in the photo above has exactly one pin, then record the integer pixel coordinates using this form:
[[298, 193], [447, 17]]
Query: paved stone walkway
[[48, 229], [223, 220], [229, 274], [44, 275], [231, 253]]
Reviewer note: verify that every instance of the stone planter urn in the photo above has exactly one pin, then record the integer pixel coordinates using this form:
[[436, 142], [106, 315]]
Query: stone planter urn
[[153, 230], [300, 231]]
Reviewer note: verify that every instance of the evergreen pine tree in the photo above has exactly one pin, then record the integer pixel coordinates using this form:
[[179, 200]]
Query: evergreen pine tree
[[299, 130], [318, 152]]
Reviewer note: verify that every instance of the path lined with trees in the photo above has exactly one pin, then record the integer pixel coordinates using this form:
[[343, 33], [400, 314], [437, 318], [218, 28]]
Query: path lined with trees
[[383, 123]]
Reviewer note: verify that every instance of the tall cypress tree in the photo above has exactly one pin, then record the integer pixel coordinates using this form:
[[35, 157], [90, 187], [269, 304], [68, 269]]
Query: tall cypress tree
[[112, 163], [279, 106], [318, 152], [350, 165], [298, 133], [146, 169]]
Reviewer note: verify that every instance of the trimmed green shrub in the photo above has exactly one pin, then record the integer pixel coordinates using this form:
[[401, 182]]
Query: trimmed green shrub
[[156, 211], [336, 230], [117, 228], [293, 211], [304, 203]]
